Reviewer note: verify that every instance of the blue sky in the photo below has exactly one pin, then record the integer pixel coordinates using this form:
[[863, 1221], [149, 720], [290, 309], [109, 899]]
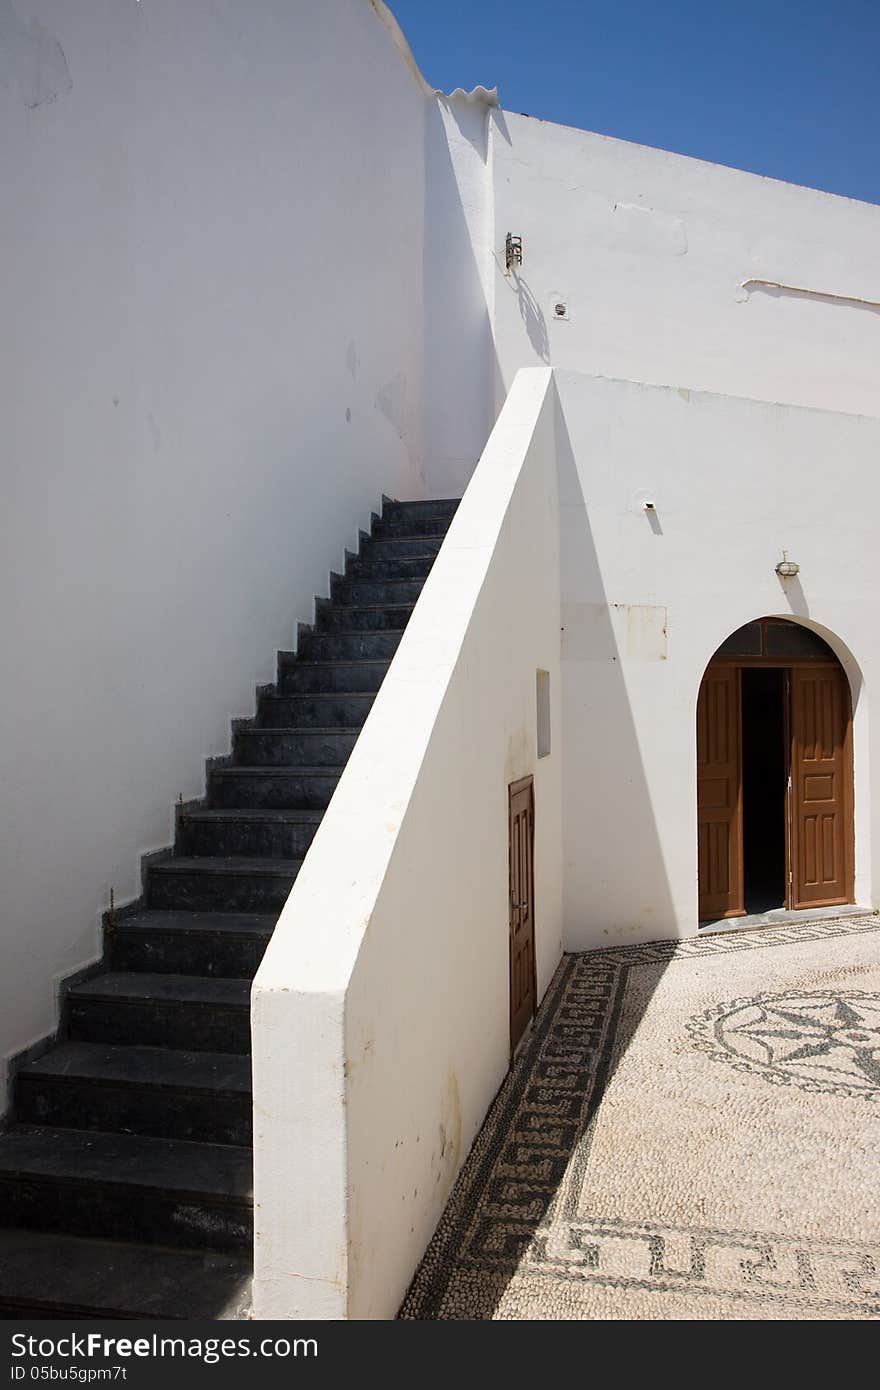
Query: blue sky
[[788, 88]]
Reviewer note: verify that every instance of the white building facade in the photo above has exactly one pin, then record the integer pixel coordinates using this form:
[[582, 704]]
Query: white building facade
[[258, 275]]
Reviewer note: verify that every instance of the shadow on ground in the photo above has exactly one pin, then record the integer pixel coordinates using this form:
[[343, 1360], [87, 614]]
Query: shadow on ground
[[538, 1133]]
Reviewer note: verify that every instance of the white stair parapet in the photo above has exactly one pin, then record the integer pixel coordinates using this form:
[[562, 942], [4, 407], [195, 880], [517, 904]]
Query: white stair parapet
[[380, 1011]]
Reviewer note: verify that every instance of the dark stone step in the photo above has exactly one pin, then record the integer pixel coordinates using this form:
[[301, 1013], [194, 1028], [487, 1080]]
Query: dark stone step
[[282, 788], [221, 885], [249, 833], [136, 1126], [435, 510], [398, 547], [203, 1097], [407, 528], [295, 675], [260, 747], [374, 592], [333, 617], [48, 1275], [348, 646], [185, 1012], [124, 1186], [370, 566], [323, 709], [219, 945]]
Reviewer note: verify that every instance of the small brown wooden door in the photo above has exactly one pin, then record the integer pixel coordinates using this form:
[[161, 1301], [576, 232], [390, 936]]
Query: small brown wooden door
[[821, 787], [522, 908], [719, 794]]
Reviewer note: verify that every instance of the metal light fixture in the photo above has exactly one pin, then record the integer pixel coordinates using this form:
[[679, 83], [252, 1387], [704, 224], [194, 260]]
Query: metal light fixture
[[787, 569], [513, 251]]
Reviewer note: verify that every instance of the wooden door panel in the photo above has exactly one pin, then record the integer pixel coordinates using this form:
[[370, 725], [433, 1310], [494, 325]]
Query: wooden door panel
[[522, 908], [821, 787], [719, 794]]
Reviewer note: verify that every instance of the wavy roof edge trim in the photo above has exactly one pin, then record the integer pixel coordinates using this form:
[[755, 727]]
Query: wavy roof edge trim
[[483, 96]]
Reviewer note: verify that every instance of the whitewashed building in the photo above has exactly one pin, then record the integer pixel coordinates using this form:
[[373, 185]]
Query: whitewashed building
[[257, 274]]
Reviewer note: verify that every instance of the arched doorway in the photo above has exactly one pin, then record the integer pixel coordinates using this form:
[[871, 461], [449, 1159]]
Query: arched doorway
[[774, 774]]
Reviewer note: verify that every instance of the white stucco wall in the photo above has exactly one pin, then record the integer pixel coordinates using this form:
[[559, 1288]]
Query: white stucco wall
[[645, 603], [381, 1008], [647, 249], [460, 371], [254, 277], [212, 280]]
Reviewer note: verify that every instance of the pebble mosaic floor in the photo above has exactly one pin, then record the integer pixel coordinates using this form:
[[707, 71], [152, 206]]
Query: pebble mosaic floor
[[691, 1132]]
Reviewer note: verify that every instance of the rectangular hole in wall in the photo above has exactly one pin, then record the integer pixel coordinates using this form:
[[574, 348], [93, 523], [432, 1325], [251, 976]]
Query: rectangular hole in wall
[[542, 679]]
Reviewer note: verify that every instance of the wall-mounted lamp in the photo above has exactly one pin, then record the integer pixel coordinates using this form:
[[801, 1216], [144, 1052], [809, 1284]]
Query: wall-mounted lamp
[[513, 251], [787, 569]]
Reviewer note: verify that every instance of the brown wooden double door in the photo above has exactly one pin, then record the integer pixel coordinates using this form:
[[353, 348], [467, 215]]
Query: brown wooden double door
[[817, 803]]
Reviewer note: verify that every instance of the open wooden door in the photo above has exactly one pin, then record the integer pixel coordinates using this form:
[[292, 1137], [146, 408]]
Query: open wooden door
[[523, 988], [822, 850], [719, 794]]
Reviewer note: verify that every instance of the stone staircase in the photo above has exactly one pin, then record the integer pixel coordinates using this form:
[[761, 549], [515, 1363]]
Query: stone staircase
[[126, 1166]]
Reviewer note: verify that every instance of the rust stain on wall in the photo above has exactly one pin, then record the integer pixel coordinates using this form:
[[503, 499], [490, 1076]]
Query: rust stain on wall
[[32, 58]]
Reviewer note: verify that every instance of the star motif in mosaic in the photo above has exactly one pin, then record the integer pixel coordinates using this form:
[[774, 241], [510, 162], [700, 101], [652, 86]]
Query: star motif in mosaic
[[538, 1225], [820, 1040]]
